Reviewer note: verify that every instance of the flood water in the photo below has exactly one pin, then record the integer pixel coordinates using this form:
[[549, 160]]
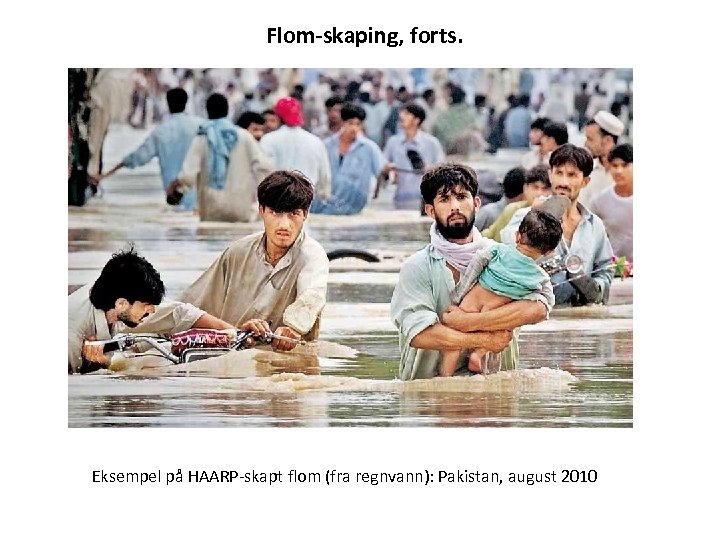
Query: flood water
[[576, 369]]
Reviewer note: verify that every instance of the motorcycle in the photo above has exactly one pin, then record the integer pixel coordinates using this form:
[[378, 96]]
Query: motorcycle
[[192, 345]]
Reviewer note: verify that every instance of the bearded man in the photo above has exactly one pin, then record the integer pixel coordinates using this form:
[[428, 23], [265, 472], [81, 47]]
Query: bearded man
[[428, 277]]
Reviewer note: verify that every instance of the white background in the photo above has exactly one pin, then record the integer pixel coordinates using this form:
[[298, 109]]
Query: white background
[[654, 480]]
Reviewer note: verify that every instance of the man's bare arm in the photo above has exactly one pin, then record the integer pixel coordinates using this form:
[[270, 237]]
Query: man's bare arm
[[441, 337], [507, 317]]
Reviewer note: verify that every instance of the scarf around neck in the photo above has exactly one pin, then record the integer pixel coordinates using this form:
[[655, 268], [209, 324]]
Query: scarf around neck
[[457, 255], [221, 139]]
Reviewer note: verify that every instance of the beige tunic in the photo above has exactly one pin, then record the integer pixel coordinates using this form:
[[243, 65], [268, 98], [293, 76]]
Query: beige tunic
[[241, 285], [247, 166], [84, 321], [110, 97]]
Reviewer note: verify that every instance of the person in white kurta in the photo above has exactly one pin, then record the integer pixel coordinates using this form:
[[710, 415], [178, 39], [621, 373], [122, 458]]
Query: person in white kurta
[[295, 149], [601, 136], [614, 205], [246, 165]]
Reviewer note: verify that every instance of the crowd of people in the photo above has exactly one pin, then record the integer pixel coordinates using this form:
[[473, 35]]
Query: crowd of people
[[277, 145]]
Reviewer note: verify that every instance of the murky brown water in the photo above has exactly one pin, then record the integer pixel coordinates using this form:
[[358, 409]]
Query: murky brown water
[[576, 368]]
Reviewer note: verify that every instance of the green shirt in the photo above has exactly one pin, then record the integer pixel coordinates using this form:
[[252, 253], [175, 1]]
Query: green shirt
[[419, 299]]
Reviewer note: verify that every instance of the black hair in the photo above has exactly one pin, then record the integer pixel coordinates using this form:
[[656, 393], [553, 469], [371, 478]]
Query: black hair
[[416, 110], [285, 191], [622, 151], [217, 106], [513, 182], [269, 111], [602, 131], [557, 131], [427, 94], [524, 100], [250, 117], [539, 123], [127, 275], [539, 173], [332, 101], [569, 153], [443, 178], [176, 99], [480, 100], [540, 230], [457, 94], [350, 110]]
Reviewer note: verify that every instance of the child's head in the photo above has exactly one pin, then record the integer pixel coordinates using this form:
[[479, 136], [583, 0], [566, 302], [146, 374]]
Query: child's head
[[540, 231]]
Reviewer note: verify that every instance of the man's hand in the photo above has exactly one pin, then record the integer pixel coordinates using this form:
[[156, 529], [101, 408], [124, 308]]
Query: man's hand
[[95, 180], [497, 341], [93, 353], [454, 317], [283, 345], [256, 326]]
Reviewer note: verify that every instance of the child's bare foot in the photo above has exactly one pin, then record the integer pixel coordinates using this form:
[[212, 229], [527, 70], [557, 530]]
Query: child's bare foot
[[476, 361]]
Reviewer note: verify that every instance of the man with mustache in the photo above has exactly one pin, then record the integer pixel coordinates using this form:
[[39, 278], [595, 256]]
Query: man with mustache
[[583, 232], [125, 298], [275, 279], [428, 278]]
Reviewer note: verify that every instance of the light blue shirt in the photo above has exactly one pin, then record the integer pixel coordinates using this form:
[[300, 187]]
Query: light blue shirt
[[407, 195], [517, 127], [169, 142], [421, 296], [351, 177], [589, 242]]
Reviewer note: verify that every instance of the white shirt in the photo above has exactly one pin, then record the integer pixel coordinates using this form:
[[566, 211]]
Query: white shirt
[[293, 148], [600, 179], [617, 215]]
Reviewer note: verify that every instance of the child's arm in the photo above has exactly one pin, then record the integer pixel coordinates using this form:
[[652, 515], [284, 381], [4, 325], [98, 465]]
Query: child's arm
[[469, 278]]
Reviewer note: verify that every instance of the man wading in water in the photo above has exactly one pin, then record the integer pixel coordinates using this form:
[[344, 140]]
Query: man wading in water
[[428, 277]]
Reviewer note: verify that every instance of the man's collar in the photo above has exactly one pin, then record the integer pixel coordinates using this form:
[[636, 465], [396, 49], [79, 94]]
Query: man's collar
[[102, 328]]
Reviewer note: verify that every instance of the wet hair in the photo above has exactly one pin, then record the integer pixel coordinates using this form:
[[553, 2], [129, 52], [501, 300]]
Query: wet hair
[[332, 101], [416, 110], [539, 123], [285, 191], [540, 230], [127, 275], [622, 151], [250, 117], [443, 178], [557, 131], [217, 106], [539, 173], [513, 182], [569, 153], [602, 131], [350, 111], [176, 99]]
